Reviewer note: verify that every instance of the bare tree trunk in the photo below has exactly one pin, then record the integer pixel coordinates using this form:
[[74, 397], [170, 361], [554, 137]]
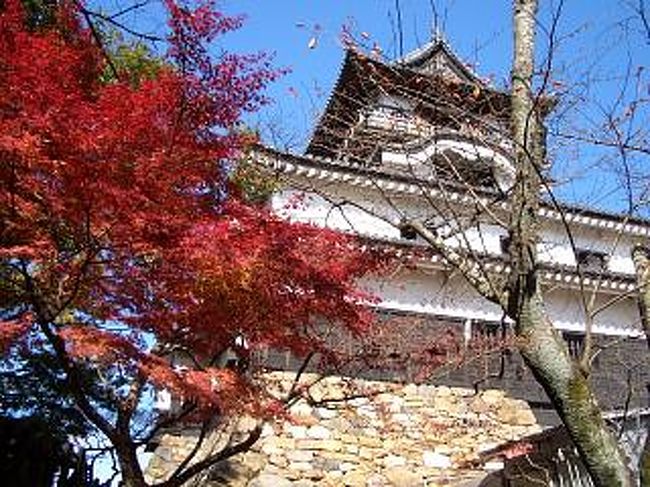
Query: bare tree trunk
[[540, 344], [641, 257], [129, 467]]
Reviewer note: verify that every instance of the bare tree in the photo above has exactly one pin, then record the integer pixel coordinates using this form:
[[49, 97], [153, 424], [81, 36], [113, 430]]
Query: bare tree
[[641, 257], [540, 345]]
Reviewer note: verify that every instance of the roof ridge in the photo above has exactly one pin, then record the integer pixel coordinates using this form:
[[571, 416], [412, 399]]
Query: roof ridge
[[430, 49], [588, 216]]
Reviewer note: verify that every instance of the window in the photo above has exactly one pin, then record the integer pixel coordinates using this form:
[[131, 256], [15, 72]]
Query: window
[[486, 331], [590, 260], [407, 232], [504, 241], [394, 107], [576, 343]]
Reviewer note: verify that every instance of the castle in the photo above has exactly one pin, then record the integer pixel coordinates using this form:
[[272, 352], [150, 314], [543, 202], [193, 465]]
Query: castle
[[424, 138]]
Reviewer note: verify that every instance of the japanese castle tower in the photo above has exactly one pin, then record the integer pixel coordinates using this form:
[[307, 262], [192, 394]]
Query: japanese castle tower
[[424, 137]]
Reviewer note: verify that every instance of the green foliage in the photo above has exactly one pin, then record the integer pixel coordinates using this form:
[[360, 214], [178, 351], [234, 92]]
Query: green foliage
[[133, 60], [255, 184]]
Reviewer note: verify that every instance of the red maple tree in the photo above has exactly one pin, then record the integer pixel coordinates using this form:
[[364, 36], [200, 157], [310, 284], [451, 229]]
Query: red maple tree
[[123, 244]]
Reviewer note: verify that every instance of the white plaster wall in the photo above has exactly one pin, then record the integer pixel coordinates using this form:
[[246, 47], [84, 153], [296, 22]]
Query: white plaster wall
[[556, 247], [435, 291], [566, 310], [443, 293], [313, 208], [431, 292], [471, 151], [373, 216]]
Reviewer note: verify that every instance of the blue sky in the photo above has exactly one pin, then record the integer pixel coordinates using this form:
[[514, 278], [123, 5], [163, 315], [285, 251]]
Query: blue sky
[[601, 41], [287, 28]]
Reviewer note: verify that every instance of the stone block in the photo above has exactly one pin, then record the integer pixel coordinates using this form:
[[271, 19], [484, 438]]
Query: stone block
[[347, 438], [270, 480], [493, 396], [314, 474], [368, 453], [376, 480], [296, 431], [267, 430], [278, 460], [304, 483], [354, 479], [329, 445], [231, 473], [247, 423], [403, 418], [339, 425], [435, 459], [254, 461], [370, 441], [515, 413], [358, 402], [300, 455], [479, 406], [326, 464], [319, 432], [410, 390], [391, 461], [403, 477], [300, 466], [402, 436], [164, 453], [301, 409], [343, 457], [271, 449], [326, 413]]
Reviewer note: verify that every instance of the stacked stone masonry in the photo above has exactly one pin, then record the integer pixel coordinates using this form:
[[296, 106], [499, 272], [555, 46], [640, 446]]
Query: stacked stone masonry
[[353, 432], [620, 368]]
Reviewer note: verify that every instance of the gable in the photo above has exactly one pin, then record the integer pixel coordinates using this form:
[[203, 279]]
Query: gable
[[437, 58]]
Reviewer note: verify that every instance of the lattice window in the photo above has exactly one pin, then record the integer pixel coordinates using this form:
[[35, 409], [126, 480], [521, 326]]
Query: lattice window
[[576, 343], [487, 333], [591, 260]]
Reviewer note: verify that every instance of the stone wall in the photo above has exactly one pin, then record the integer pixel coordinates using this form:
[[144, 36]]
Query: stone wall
[[620, 369], [362, 433]]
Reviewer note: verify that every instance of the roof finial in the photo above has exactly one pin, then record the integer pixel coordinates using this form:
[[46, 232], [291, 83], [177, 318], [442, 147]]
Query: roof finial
[[436, 30], [438, 35]]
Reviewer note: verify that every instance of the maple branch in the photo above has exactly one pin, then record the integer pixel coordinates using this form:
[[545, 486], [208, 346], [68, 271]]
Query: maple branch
[[131, 8], [224, 454], [641, 11], [614, 144], [75, 384], [293, 392], [111, 20], [197, 445], [127, 407], [98, 39]]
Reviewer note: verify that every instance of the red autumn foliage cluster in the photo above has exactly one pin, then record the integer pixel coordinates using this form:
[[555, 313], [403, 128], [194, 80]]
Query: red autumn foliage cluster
[[122, 239]]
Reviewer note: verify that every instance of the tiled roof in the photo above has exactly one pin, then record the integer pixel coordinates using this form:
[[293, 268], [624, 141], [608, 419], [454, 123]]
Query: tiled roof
[[438, 52], [326, 169]]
